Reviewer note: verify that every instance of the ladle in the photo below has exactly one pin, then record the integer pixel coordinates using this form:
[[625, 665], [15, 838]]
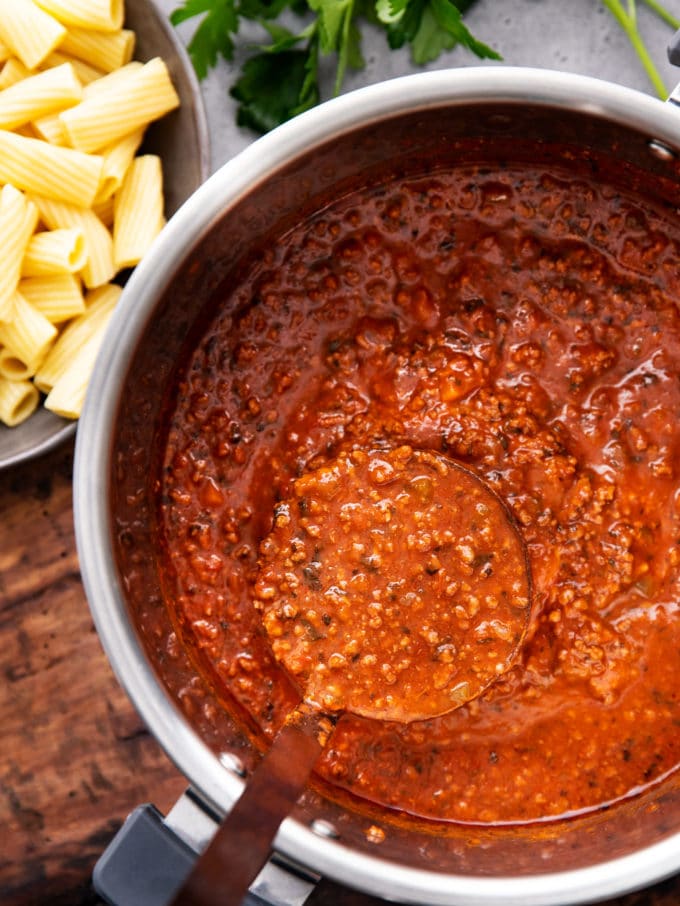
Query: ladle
[[394, 585]]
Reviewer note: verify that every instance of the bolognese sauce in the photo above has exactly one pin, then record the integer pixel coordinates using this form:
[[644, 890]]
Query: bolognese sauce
[[393, 584], [524, 324]]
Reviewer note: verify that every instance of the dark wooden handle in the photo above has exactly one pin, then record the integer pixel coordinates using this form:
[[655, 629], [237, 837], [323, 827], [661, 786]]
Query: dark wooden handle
[[243, 842]]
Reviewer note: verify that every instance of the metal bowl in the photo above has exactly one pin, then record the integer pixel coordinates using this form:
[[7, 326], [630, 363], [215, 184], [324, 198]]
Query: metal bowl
[[565, 862], [182, 141]]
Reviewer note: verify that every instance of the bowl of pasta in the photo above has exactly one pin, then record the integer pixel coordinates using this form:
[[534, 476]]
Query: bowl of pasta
[[103, 136]]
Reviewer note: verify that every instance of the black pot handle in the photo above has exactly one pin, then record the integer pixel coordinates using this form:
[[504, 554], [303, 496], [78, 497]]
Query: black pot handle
[[674, 49], [146, 863]]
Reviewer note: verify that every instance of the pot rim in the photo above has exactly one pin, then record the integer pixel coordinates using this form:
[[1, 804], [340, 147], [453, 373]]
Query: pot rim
[[93, 465]]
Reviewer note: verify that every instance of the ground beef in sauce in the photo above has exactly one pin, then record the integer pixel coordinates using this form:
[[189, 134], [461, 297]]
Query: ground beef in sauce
[[393, 584], [525, 324]]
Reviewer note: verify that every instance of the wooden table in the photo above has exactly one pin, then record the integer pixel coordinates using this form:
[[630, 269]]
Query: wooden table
[[75, 756]]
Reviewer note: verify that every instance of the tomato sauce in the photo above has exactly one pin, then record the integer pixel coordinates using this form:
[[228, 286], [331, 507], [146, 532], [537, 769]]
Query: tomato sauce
[[393, 584], [525, 324]]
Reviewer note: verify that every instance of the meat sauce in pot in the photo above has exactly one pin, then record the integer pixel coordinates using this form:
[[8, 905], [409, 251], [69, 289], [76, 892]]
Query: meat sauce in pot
[[522, 321]]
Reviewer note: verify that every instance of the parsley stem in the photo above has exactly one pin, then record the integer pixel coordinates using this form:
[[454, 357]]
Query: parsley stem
[[663, 13], [627, 23]]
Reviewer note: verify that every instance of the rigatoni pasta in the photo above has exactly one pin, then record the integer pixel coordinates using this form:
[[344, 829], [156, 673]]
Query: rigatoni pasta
[[100, 266], [12, 72], [29, 334], [18, 401], [99, 305], [67, 396], [12, 368], [58, 297], [18, 218], [112, 80], [101, 50], [104, 210], [30, 32], [38, 95], [66, 187], [51, 129], [116, 162], [103, 15], [104, 118], [60, 173], [57, 251], [138, 210], [84, 71]]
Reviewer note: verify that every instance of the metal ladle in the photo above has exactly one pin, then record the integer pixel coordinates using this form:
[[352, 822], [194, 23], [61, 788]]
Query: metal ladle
[[394, 585]]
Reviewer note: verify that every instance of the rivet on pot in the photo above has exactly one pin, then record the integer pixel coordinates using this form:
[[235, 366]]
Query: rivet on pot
[[324, 829], [661, 151], [232, 763]]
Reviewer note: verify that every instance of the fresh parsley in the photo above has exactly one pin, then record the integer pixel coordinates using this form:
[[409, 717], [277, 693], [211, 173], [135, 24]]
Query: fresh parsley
[[282, 77]]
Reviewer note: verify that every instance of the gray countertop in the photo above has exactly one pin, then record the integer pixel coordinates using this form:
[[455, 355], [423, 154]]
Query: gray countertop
[[571, 35]]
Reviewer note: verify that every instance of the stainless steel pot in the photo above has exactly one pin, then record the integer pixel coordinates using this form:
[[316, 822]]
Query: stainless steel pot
[[390, 125]]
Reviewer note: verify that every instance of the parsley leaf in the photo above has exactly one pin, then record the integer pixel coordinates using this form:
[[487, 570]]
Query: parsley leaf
[[449, 18], [430, 40], [339, 34], [403, 22], [429, 26], [282, 78], [274, 87], [212, 38]]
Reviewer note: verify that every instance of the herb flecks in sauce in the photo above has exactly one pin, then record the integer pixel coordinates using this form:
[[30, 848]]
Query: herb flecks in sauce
[[526, 324]]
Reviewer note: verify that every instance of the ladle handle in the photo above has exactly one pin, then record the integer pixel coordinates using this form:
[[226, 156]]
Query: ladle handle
[[243, 842]]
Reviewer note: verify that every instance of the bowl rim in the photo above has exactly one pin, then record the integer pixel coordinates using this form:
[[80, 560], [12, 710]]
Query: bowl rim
[[217, 785]]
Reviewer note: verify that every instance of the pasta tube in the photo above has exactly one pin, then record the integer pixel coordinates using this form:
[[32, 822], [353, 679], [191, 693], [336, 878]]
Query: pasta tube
[[39, 95], [73, 110], [13, 368], [117, 160], [103, 15], [67, 396], [51, 129], [59, 173], [30, 32], [29, 334], [111, 79], [84, 71], [18, 219], [100, 266], [18, 400], [102, 119], [103, 51], [104, 211], [12, 72], [58, 297], [59, 251], [99, 305], [138, 210]]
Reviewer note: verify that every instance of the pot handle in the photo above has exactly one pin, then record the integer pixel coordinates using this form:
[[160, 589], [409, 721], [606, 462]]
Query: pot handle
[[144, 863], [148, 860], [674, 49]]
